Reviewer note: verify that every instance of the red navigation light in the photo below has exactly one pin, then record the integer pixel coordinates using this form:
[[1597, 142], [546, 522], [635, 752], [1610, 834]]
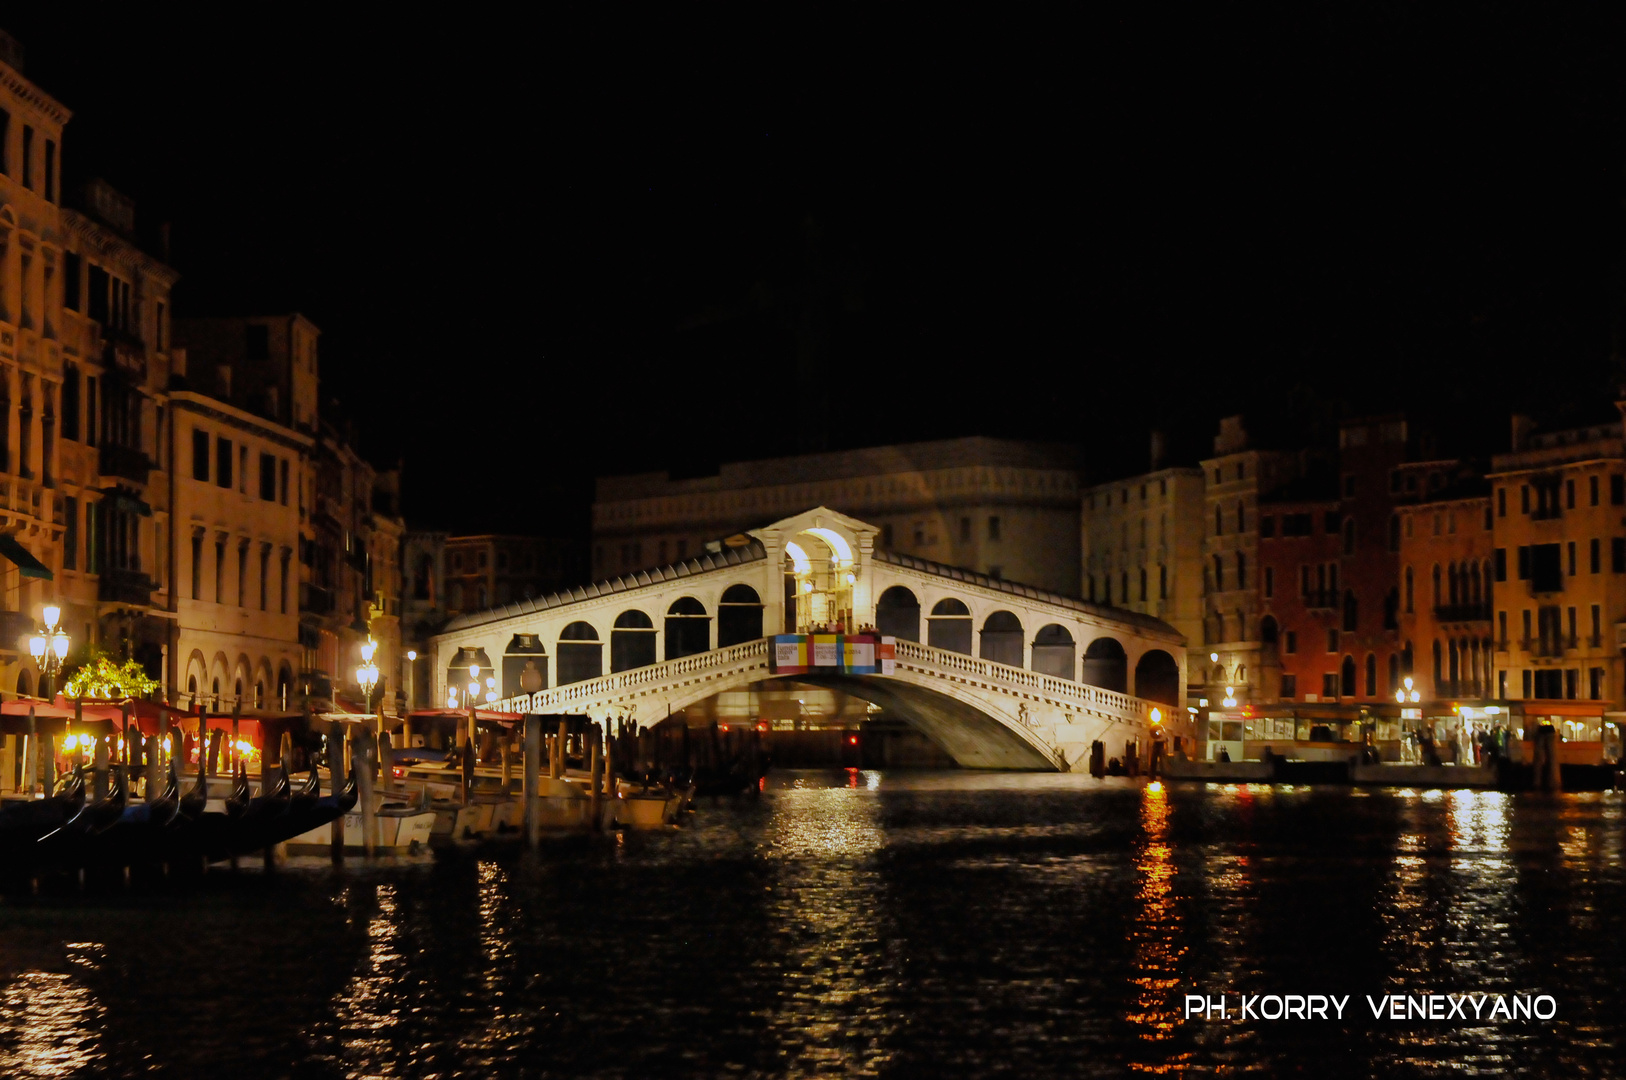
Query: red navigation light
[[852, 739], [722, 727], [762, 725]]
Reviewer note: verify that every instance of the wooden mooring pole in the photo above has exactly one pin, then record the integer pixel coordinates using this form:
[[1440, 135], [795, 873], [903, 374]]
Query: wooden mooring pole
[[532, 766]]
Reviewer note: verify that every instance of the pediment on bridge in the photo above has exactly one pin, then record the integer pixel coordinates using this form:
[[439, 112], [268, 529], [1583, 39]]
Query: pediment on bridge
[[817, 520]]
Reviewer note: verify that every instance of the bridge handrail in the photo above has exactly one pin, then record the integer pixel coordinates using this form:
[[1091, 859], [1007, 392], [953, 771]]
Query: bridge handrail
[[1050, 684], [546, 700], [751, 652]]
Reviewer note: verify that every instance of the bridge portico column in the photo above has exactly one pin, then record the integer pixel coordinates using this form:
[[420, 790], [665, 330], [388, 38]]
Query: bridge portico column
[[773, 598], [864, 589]]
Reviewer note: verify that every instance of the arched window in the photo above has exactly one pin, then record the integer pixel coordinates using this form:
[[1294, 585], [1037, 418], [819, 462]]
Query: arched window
[[1405, 660], [688, 628], [1436, 576], [581, 655], [1241, 570], [897, 613], [192, 685], [739, 616], [1454, 658], [949, 626], [239, 690], [632, 641], [1143, 584], [259, 694], [1350, 612], [1439, 669], [1268, 630], [1157, 677], [1002, 639], [1394, 672], [1371, 675], [524, 665], [1451, 590], [1241, 516], [1219, 573], [1347, 678], [1054, 652], [24, 685], [1409, 608], [1106, 665]]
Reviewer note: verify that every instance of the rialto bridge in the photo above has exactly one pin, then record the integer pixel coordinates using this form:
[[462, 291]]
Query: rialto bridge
[[1000, 675]]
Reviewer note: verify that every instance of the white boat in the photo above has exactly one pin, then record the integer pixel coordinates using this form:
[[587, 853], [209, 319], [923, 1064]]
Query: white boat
[[399, 829]]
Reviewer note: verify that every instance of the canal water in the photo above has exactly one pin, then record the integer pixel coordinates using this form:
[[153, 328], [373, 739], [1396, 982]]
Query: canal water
[[865, 924]]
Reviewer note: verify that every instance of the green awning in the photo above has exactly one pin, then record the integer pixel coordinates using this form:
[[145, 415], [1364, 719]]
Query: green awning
[[30, 566]]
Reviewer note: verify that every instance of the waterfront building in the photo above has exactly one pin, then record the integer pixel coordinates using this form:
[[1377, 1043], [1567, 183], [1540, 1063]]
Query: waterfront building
[[1142, 541], [32, 507], [313, 526], [111, 419], [491, 570], [236, 606], [1232, 653], [1329, 552], [352, 541], [999, 507], [1446, 544], [84, 370], [1559, 564]]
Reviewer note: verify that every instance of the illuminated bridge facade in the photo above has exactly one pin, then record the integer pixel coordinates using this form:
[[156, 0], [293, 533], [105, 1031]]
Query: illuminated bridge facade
[[999, 675]]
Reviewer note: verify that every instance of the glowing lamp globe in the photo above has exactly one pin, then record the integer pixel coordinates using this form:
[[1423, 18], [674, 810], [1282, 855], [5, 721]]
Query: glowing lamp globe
[[59, 644], [53, 615], [36, 646]]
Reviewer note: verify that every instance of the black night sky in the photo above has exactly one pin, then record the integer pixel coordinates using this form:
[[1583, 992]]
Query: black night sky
[[546, 249]]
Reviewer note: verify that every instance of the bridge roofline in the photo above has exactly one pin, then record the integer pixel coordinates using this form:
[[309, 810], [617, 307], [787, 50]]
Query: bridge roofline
[[1146, 624], [704, 563]]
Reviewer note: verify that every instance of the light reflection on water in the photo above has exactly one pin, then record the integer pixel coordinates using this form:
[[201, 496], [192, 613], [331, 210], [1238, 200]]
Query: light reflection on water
[[863, 924]]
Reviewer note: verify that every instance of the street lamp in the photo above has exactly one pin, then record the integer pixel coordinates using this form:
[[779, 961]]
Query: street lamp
[[49, 648], [1406, 693], [367, 673]]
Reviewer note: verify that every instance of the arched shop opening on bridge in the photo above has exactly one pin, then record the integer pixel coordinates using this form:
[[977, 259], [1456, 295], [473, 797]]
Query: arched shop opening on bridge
[[819, 577]]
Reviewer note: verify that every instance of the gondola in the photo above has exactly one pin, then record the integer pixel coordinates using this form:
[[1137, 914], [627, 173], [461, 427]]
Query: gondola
[[278, 816], [66, 846], [22, 823], [142, 833]]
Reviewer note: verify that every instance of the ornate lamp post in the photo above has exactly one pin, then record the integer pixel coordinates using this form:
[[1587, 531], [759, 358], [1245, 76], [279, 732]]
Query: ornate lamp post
[[49, 648], [367, 673]]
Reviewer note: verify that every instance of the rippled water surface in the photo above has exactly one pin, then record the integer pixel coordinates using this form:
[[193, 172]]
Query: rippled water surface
[[864, 924]]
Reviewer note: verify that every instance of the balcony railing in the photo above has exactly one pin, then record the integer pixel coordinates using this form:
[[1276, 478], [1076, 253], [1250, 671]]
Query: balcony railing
[[1462, 613], [316, 600], [125, 462], [1548, 647], [126, 587]]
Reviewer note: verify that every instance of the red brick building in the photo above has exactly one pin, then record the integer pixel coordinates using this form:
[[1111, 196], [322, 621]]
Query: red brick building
[[1329, 571]]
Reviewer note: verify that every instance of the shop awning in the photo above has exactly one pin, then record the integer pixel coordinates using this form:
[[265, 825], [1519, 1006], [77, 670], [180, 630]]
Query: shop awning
[[30, 566]]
